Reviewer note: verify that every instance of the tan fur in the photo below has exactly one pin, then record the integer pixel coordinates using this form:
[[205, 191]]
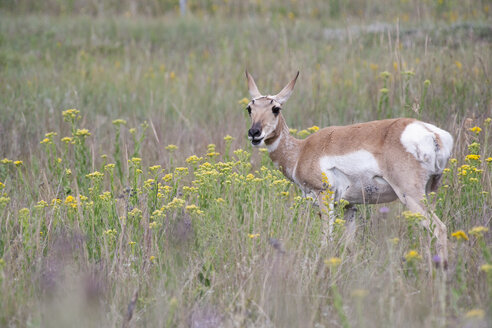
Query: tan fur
[[299, 160]]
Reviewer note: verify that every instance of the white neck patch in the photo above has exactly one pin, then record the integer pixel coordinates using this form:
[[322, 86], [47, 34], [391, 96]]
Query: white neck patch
[[272, 147]]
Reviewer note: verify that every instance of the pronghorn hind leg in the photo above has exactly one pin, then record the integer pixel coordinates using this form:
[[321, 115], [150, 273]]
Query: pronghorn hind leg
[[440, 230], [411, 200]]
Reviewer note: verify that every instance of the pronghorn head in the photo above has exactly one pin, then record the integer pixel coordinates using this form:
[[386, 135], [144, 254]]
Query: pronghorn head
[[265, 111]]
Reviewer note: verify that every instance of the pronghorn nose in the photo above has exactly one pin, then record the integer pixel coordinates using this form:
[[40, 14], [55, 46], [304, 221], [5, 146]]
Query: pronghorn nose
[[254, 132]]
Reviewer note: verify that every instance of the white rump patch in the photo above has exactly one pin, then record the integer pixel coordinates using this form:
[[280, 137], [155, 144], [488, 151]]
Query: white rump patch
[[420, 140]]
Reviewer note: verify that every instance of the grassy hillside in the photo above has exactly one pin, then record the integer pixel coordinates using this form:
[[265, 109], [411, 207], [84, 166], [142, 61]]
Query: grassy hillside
[[130, 196]]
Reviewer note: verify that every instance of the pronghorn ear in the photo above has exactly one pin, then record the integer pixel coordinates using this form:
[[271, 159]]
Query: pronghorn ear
[[253, 89], [284, 95]]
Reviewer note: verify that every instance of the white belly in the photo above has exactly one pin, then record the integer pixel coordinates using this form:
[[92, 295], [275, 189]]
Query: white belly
[[357, 178]]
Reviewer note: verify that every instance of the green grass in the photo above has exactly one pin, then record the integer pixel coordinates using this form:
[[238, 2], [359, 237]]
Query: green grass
[[250, 251]]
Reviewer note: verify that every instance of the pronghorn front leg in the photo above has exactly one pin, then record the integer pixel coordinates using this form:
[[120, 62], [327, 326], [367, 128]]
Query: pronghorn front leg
[[327, 214]]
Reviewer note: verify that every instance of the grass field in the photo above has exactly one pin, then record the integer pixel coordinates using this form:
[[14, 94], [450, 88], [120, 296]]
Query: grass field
[[130, 195]]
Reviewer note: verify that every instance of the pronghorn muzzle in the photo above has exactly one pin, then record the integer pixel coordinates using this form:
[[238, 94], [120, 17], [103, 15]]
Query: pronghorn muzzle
[[254, 134]]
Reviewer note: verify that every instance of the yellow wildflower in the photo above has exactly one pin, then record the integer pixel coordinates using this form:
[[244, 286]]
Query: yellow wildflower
[[458, 64], [374, 67], [168, 177], [18, 163], [303, 133], [411, 216], [475, 314], [66, 140], [360, 293], [228, 138], [220, 200], [41, 204], [193, 209], [2, 185], [395, 240], [152, 258], [489, 160], [82, 133], [333, 262], [5, 161], [45, 141], [193, 159], [460, 234], [412, 255], [313, 129], [487, 268], [181, 172], [340, 222], [70, 114], [4, 201], [24, 212], [453, 161], [69, 199], [385, 74], [119, 122], [475, 129], [472, 157], [136, 160], [478, 231], [253, 235], [95, 175], [171, 148], [243, 101], [154, 168]]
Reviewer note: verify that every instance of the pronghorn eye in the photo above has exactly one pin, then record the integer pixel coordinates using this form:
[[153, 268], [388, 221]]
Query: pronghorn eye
[[249, 110], [276, 110]]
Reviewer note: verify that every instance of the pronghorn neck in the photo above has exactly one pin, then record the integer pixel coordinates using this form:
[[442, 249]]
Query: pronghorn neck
[[284, 149]]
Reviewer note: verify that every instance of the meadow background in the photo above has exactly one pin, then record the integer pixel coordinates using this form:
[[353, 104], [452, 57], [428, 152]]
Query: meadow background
[[130, 196]]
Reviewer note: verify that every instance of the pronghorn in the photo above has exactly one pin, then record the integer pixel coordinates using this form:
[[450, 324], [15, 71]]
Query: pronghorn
[[373, 162]]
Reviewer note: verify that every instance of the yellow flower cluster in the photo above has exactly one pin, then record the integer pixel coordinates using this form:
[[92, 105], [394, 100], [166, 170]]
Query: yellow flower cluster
[[333, 262], [119, 122], [412, 255], [194, 210], [459, 235], [475, 314], [70, 202], [478, 231], [96, 175], [70, 115], [413, 217], [171, 148], [476, 129], [82, 133]]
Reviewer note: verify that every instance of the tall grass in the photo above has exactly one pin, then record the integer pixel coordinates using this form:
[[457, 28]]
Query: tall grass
[[146, 206]]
